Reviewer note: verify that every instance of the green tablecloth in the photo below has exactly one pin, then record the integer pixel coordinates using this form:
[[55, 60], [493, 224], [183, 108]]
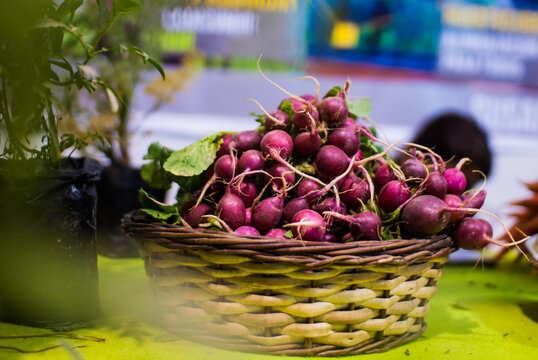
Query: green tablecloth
[[476, 314]]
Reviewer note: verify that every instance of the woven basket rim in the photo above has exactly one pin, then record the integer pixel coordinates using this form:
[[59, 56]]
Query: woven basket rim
[[144, 229]]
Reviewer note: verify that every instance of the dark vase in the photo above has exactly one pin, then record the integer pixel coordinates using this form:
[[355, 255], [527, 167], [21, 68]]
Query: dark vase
[[48, 255], [118, 195]]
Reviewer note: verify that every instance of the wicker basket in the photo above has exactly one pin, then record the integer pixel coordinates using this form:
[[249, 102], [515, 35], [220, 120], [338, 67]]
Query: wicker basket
[[274, 296]]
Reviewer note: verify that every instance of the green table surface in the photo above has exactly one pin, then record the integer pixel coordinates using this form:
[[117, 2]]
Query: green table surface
[[476, 314]]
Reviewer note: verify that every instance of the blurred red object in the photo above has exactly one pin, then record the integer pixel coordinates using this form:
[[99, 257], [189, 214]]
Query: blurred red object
[[526, 224]]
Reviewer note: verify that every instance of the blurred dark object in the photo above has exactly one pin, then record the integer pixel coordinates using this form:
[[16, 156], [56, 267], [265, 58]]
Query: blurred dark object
[[118, 195], [455, 136], [48, 256], [525, 224]]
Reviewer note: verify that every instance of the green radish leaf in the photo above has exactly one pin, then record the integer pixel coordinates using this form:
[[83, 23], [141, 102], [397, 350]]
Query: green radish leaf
[[159, 215], [149, 202], [287, 107], [306, 167], [288, 234], [259, 118], [156, 209], [157, 152], [188, 183], [333, 92], [183, 197], [195, 158], [153, 173], [360, 108]]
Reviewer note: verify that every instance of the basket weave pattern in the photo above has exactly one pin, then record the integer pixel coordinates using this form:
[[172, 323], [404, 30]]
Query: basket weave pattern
[[285, 297]]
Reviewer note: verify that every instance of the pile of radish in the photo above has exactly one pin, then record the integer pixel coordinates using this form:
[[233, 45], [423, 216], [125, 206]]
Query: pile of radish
[[315, 171]]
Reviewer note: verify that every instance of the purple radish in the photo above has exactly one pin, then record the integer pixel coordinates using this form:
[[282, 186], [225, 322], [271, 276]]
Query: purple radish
[[306, 144], [246, 230], [334, 225], [487, 226], [245, 140], [231, 210], [246, 190], [383, 174], [277, 142], [454, 201], [267, 213], [346, 139], [366, 225], [225, 146], [282, 123], [217, 187], [425, 215], [277, 233], [349, 123], [354, 191], [392, 195], [306, 186], [455, 181], [226, 167], [329, 237], [310, 98], [292, 207], [251, 160], [308, 225], [435, 185], [248, 216], [194, 216], [307, 97], [306, 116], [277, 171], [333, 111], [187, 207], [474, 201], [415, 170], [330, 161], [472, 234]]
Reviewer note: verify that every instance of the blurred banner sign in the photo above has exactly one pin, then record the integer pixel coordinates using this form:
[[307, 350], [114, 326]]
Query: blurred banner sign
[[234, 33], [488, 42]]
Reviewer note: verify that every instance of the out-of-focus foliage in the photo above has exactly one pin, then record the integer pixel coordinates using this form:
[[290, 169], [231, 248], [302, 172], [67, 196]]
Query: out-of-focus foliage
[[123, 71], [47, 55]]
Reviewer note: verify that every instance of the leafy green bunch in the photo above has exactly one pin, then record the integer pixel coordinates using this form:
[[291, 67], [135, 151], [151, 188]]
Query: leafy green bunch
[[37, 69]]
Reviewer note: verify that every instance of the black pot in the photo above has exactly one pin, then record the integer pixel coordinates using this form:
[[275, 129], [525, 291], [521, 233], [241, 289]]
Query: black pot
[[48, 255], [118, 195]]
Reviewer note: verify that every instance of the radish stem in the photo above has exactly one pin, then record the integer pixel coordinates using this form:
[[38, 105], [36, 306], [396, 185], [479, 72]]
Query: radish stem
[[316, 94], [295, 97], [266, 113]]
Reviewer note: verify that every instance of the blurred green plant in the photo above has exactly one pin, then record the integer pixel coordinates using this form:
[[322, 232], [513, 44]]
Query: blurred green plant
[[47, 56], [99, 111]]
